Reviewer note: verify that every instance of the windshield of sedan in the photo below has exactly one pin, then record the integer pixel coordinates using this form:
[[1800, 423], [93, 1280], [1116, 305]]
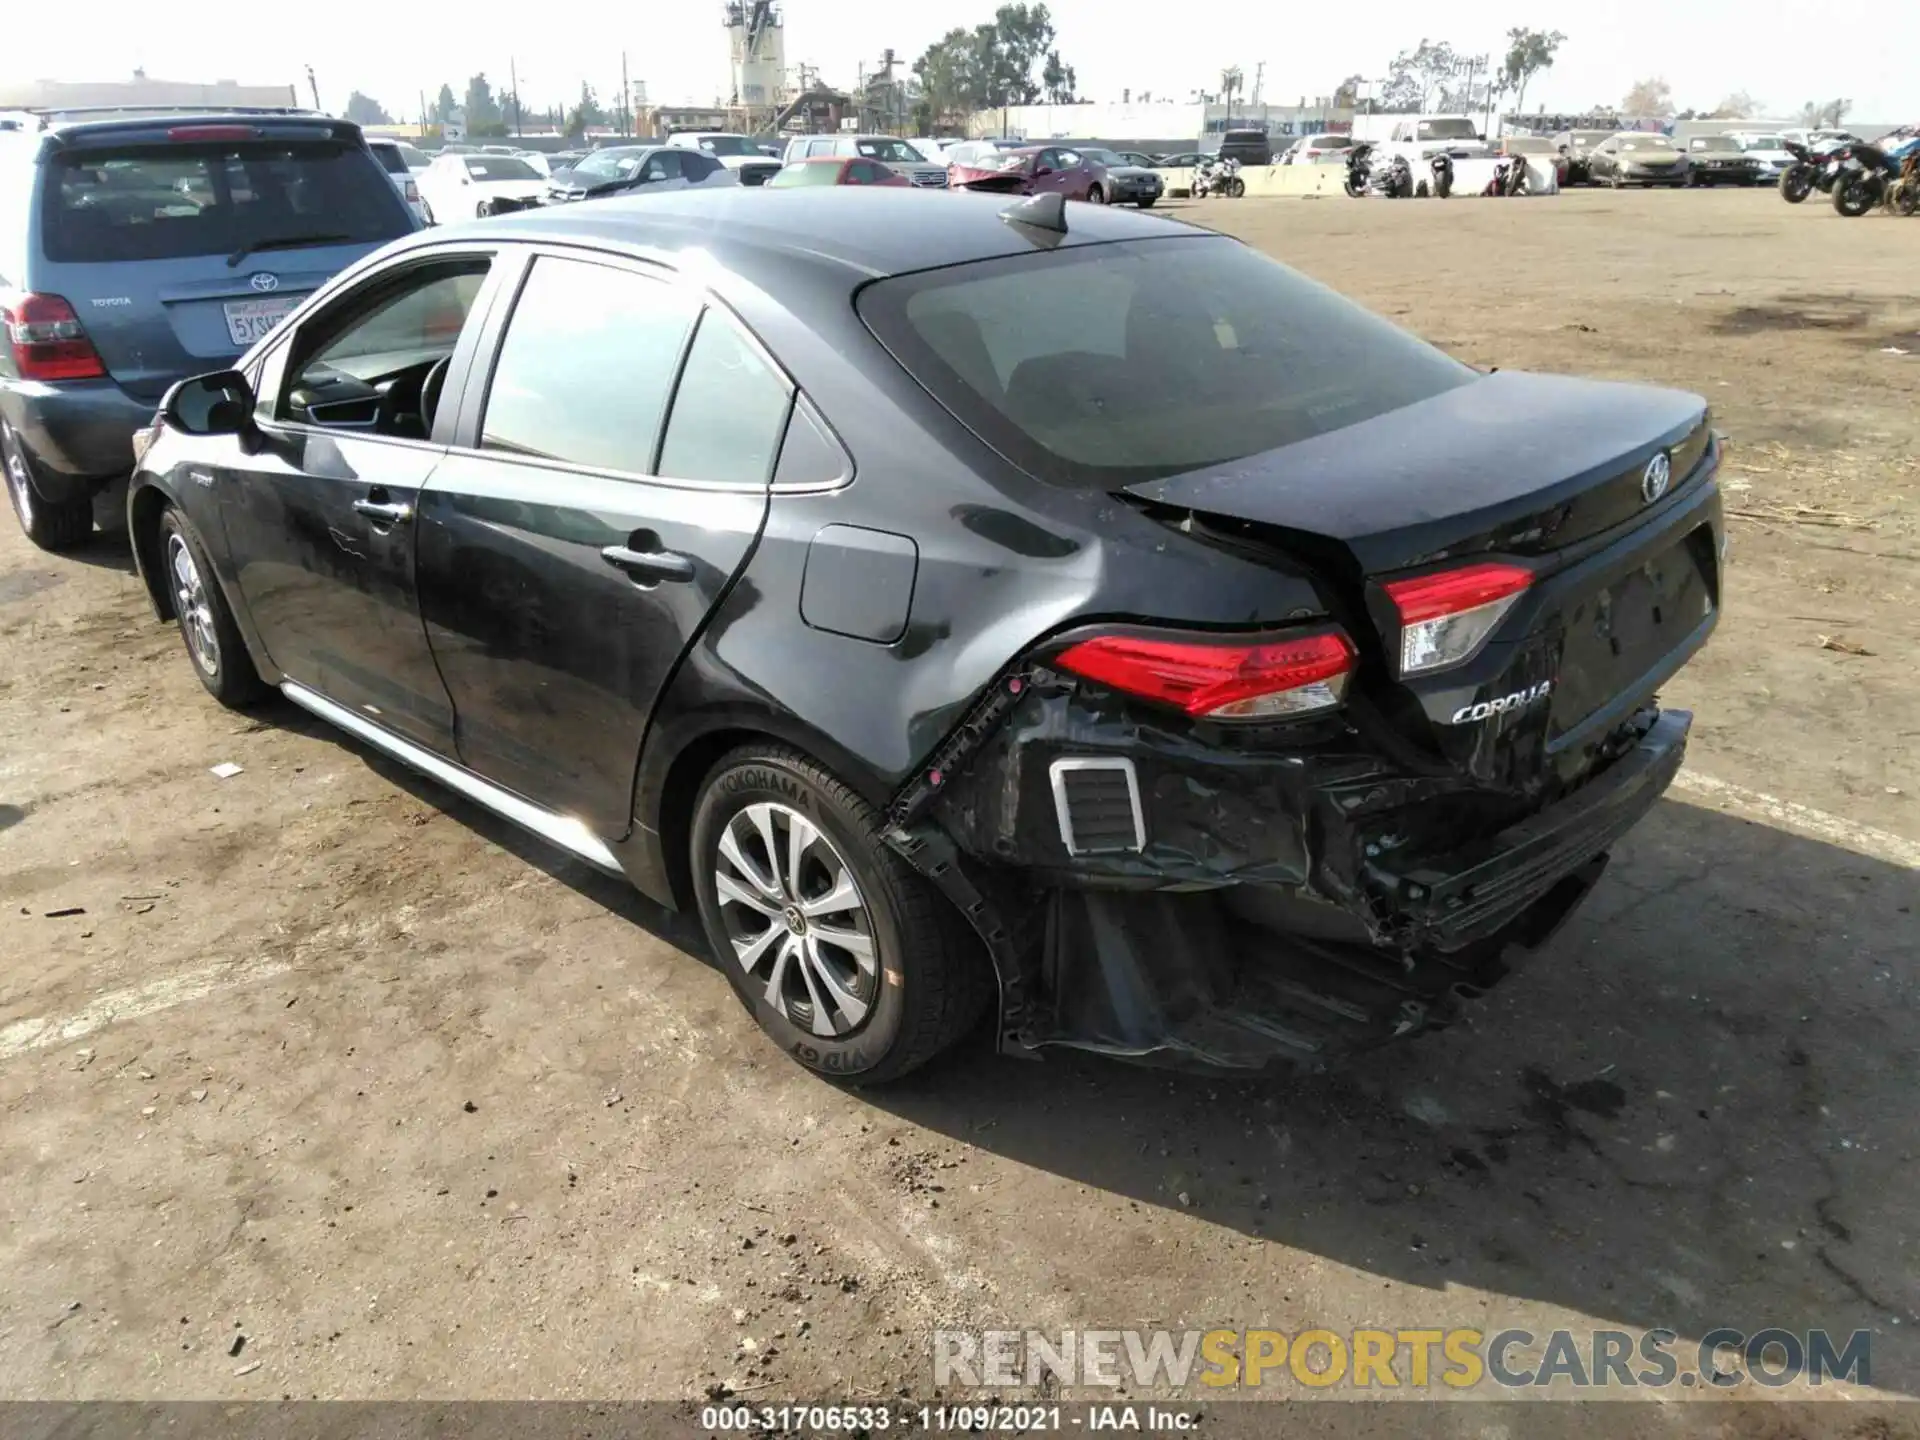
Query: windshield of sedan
[[1645, 142], [608, 164], [891, 152], [1102, 157], [1763, 142], [1454, 128], [1113, 364], [500, 167], [728, 145]]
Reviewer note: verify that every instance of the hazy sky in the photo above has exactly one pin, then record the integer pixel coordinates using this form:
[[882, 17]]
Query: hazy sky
[[1704, 48]]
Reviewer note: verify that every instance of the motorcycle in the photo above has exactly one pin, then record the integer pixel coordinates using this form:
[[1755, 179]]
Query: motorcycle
[[1509, 177], [1442, 167], [1359, 170], [1394, 180], [1904, 194], [1864, 179], [1216, 175]]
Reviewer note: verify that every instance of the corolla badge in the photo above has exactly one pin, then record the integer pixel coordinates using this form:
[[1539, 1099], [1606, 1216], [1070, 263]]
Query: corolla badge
[[1506, 704], [1656, 477], [265, 281]]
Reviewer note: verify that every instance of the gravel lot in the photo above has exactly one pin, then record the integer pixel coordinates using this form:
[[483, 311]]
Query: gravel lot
[[324, 1058]]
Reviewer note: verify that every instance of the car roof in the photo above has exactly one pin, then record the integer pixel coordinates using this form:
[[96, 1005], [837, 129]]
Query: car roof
[[866, 233]]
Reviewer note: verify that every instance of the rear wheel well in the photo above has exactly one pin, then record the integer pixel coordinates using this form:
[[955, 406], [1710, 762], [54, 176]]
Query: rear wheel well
[[144, 510], [677, 798]]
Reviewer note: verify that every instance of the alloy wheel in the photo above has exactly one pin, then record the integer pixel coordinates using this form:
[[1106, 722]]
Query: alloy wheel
[[794, 912], [18, 486], [191, 602]]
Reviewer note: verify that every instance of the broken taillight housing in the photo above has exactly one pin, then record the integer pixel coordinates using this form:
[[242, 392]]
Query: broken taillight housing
[[1228, 678], [47, 340], [1446, 617]]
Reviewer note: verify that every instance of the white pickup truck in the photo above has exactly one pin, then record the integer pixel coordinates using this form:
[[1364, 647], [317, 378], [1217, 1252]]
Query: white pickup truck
[[1421, 137]]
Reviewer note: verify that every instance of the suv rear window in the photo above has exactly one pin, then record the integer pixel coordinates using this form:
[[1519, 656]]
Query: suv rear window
[[1108, 365], [161, 202], [390, 158]]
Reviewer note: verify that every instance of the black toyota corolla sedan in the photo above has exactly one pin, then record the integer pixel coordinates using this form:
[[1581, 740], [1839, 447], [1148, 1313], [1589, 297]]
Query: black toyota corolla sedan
[[963, 605]]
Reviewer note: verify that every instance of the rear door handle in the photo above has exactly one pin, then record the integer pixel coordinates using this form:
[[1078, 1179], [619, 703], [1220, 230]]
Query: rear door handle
[[648, 564], [383, 514]]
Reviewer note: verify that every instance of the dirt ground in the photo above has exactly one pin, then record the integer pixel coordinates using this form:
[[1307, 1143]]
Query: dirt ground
[[316, 1081]]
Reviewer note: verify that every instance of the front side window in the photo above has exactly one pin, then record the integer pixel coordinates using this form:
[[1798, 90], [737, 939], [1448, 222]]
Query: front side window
[[728, 410], [586, 366], [367, 364], [1113, 364]]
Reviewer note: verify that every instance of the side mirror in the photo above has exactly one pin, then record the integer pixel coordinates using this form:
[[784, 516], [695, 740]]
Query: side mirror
[[216, 404], [1040, 170]]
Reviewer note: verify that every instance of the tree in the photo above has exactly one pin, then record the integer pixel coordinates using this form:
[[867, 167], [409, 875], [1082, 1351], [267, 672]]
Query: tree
[[1416, 76], [1012, 60], [444, 105], [1231, 79], [1528, 53], [1649, 97], [365, 110], [483, 111], [587, 112], [1824, 114], [1059, 80], [1737, 106], [1346, 95]]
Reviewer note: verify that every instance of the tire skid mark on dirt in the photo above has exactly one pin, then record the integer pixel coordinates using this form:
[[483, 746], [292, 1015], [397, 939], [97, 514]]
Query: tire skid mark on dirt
[[38, 1032]]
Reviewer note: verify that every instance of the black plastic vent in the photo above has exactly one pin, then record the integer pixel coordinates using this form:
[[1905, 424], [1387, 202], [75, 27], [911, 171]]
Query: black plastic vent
[[1098, 803]]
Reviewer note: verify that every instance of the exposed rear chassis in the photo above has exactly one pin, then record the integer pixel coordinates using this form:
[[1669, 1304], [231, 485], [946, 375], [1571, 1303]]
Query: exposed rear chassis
[[1290, 910]]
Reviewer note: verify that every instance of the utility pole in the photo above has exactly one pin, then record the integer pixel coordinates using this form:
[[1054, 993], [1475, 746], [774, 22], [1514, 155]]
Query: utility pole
[[1259, 74], [513, 82], [423, 114], [626, 99], [314, 86]]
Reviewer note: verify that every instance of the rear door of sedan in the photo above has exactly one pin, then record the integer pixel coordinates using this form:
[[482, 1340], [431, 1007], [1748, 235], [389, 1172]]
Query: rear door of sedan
[[608, 481]]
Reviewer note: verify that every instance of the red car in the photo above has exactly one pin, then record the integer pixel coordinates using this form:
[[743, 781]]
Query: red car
[[1035, 170], [835, 170]]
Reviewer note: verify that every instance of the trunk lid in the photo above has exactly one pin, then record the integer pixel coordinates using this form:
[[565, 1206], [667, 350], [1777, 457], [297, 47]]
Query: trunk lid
[[179, 242], [1524, 464], [1563, 476]]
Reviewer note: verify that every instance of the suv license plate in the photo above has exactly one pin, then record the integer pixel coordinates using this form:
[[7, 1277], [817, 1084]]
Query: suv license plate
[[249, 320]]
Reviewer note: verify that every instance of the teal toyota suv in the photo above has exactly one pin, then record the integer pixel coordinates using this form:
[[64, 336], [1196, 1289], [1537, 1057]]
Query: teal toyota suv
[[141, 247]]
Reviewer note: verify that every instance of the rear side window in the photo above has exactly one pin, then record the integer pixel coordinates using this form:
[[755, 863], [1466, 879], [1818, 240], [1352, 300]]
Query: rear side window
[[728, 411], [1112, 364], [390, 158], [162, 202], [586, 366]]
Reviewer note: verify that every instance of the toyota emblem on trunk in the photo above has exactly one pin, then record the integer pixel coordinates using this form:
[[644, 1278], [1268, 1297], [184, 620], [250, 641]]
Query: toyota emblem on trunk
[[1656, 477], [263, 281]]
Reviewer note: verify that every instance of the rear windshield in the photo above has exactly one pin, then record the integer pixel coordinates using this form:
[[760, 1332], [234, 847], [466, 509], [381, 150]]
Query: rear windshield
[[390, 158], [167, 201], [501, 167], [807, 172], [1452, 128], [1108, 365]]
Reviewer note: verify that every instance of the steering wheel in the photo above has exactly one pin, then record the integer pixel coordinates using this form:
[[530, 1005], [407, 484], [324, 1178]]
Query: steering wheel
[[430, 391]]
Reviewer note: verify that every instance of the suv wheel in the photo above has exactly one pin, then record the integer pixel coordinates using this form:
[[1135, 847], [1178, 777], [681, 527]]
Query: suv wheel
[[207, 626], [49, 525], [841, 951]]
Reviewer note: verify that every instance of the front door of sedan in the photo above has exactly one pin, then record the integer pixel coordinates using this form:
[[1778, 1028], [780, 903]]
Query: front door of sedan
[[318, 512], [604, 490]]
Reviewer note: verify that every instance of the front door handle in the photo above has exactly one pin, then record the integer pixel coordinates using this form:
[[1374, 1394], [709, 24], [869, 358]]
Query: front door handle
[[648, 564], [383, 514]]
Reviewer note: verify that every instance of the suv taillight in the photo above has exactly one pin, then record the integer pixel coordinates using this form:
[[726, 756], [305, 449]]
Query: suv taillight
[[1226, 678], [412, 193], [1445, 617], [46, 338]]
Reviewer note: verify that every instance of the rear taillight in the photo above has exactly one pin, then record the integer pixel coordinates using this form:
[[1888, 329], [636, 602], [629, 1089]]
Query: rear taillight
[[412, 193], [1224, 679], [46, 338], [1445, 617]]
